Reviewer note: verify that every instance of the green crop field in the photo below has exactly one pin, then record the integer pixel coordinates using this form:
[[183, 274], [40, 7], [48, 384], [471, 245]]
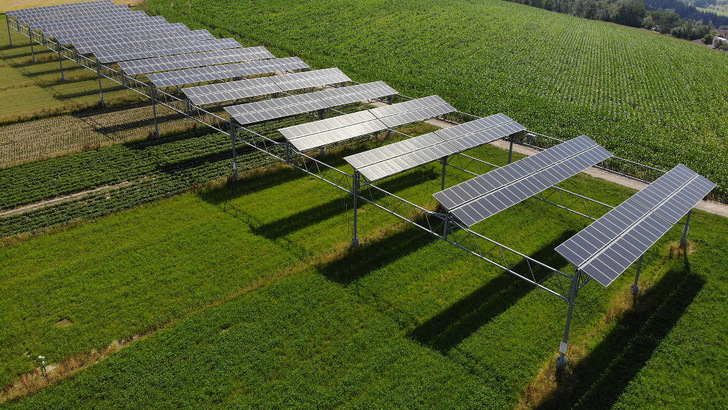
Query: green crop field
[[147, 279], [645, 97]]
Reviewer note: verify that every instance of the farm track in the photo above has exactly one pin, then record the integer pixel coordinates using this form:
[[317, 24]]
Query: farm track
[[712, 207], [55, 201]]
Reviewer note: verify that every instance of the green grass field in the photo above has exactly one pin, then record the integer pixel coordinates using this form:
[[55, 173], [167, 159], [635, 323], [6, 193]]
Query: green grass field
[[405, 320], [649, 98]]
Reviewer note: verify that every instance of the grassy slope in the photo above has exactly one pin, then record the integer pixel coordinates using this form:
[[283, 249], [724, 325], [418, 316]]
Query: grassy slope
[[405, 321], [646, 97]]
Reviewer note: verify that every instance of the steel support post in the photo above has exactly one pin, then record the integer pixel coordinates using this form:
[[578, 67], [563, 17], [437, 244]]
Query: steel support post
[[101, 89], [153, 96], [355, 194], [686, 229], [443, 160], [447, 228], [10, 38], [635, 287], [288, 153], [510, 150], [32, 50], [233, 133], [321, 114], [60, 60], [561, 361], [389, 99]]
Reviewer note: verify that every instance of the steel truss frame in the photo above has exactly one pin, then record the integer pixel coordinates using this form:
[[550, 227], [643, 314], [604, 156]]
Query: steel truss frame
[[439, 224]]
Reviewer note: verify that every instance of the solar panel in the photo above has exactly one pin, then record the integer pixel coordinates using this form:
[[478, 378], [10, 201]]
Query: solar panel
[[401, 156], [61, 7], [86, 25], [331, 130], [610, 245], [235, 90], [112, 34], [80, 33], [230, 91], [184, 61], [384, 117], [308, 79], [356, 93], [275, 108], [128, 42], [479, 198], [101, 4], [166, 50], [328, 99], [226, 71], [87, 20], [412, 111], [90, 15]]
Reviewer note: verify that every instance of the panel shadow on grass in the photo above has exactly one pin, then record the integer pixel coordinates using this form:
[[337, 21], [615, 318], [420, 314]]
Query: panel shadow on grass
[[305, 218], [599, 379], [311, 216], [375, 255], [449, 328], [250, 184]]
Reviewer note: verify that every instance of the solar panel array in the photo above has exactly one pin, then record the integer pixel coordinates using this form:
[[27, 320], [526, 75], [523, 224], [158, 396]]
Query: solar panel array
[[481, 197], [112, 33], [333, 130], [63, 8], [110, 14], [235, 90], [276, 108], [166, 50], [136, 41], [286, 106], [183, 61], [401, 156], [610, 245], [226, 71], [109, 28]]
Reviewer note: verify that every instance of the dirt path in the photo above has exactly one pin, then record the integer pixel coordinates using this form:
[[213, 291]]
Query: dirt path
[[712, 207], [49, 202]]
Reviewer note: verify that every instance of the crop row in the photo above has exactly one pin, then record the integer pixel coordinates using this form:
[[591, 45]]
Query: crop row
[[648, 98], [156, 168]]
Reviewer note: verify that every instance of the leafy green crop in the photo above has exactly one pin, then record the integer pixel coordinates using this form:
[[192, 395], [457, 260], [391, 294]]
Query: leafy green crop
[[645, 97]]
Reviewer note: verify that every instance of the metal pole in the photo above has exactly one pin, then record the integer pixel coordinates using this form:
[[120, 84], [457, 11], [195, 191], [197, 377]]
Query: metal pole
[[7, 20], [355, 193], [635, 287], [101, 90], [686, 229], [561, 361], [233, 133], [321, 114], [447, 228], [152, 95], [60, 60], [444, 167], [32, 50], [510, 151]]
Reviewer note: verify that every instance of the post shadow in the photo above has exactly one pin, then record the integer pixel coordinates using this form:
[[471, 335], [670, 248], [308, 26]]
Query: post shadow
[[450, 327], [599, 379]]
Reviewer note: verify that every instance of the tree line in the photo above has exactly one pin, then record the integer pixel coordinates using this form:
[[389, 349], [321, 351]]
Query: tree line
[[635, 13]]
